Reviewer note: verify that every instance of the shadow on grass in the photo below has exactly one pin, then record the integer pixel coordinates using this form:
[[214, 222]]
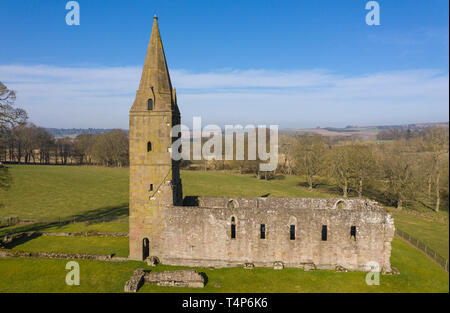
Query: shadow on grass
[[205, 277], [21, 240], [105, 214], [322, 187]]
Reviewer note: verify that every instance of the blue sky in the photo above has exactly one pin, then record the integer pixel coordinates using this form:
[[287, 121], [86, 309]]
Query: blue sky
[[294, 63]]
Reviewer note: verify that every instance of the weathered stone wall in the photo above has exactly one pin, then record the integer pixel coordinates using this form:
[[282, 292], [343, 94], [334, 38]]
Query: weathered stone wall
[[60, 255], [201, 236], [179, 278]]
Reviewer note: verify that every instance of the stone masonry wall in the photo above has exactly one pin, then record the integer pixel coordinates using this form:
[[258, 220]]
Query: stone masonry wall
[[201, 236]]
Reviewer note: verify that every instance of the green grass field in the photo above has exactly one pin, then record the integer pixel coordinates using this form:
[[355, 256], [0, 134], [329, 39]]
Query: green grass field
[[88, 245], [99, 196], [52, 192], [433, 233], [418, 274]]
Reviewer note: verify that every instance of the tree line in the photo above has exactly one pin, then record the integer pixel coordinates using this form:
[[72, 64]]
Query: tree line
[[27, 143], [403, 170]]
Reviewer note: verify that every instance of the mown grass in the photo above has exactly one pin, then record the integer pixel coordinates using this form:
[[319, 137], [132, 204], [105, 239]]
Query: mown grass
[[418, 274], [227, 183], [54, 192], [433, 233], [48, 275], [106, 227], [100, 196], [89, 245]]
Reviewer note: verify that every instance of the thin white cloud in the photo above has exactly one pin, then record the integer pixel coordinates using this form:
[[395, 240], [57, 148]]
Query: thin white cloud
[[101, 97]]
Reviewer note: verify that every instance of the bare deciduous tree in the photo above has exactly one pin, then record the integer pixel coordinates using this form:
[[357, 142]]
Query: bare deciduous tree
[[310, 152], [9, 116], [339, 163]]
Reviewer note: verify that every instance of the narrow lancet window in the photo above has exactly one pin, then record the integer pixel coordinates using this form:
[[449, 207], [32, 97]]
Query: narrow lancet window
[[233, 228], [292, 232], [149, 146], [353, 232], [150, 104], [263, 231], [324, 233]]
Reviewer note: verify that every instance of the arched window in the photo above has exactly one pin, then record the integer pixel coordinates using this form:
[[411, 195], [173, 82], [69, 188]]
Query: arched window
[[232, 204], [149, 146], [353, 232], [150, 104], [340, 204], [233, 228]]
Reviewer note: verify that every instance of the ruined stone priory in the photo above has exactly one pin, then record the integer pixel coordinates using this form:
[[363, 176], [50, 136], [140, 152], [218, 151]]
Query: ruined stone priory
[[336, 234]]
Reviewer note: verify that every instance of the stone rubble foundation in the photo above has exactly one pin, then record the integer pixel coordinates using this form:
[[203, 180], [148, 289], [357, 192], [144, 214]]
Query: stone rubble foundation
[[180, 278]]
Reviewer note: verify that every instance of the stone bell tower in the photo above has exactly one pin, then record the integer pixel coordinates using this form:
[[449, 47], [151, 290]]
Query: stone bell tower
[[154, 177]]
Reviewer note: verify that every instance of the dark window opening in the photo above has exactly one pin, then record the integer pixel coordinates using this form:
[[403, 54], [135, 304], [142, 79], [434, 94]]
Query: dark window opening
[[149, 146], [324, 233], [263, 231], [292, 232], [233, 228], [150, 104], [151, 187], [353, 232], [145, 248]]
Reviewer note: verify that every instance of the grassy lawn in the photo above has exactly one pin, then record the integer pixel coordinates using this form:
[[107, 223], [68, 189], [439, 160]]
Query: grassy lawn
[[45, 275], [53, 192], [418, 274], [433, 233], [116, 226], [88, 245], [99, 227], [226, 183], [99, 196], [50, 193]]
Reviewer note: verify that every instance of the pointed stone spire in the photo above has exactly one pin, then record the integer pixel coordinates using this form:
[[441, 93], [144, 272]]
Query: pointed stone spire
[[155, 73], [155, 80]]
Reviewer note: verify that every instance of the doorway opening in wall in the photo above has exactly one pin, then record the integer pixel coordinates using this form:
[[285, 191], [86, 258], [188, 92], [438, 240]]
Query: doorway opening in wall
[[145, 248]]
